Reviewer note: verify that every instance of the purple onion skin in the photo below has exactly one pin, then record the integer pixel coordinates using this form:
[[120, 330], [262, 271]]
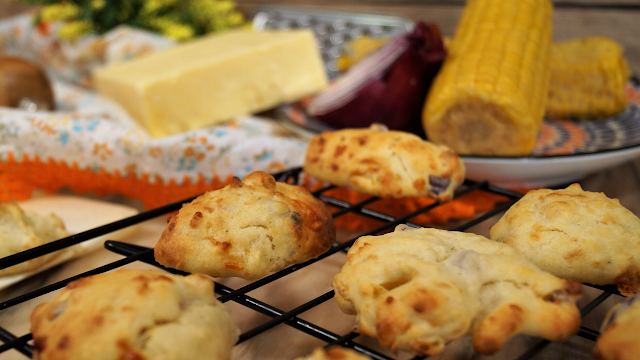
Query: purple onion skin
[[397, 98]]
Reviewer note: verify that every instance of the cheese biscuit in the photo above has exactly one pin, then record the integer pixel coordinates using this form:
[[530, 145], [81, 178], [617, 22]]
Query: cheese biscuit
[[388, 164], [22, 230], [418, 289], [134, 314], [575, 234], [620, 334], [247, 229]]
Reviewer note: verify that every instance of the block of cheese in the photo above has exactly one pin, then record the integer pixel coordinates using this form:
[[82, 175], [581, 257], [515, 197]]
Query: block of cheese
[[215, 78]]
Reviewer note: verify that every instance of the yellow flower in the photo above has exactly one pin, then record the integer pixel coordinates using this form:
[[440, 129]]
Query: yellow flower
[[152, 6], [74, 29], [98, 4], [223, 6], [177, 19], [171, 29], [235, 19], [178, 32], [215, 15], [59, 12]]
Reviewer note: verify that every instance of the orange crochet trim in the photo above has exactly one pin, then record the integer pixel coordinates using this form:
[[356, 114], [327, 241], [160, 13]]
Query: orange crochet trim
[[19, 179]]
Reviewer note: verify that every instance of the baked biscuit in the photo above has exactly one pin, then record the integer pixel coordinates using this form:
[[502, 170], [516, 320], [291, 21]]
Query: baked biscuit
[[575, 234], [22, 230], [134, 314], [335, 353], [418, 289], [620, 333], [247, 229], [388, 164]]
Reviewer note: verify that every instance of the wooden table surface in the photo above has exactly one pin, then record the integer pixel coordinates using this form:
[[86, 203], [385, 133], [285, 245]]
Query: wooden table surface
[[282, 342]]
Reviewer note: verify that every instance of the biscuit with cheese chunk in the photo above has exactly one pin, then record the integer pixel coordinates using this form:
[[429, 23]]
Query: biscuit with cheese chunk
[[247, 229], [134, 314], [388, 164], [418, 289], [575, 234]]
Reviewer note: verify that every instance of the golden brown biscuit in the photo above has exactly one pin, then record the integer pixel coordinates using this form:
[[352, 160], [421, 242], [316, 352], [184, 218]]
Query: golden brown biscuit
[[247, 229], [575, 234], [22, 230], [335, 353], [134, 314], [418, 289], [388, 164], [620, 333]]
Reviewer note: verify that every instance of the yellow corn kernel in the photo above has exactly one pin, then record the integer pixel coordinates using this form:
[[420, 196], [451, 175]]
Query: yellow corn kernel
[[587, 79], [490, 94]]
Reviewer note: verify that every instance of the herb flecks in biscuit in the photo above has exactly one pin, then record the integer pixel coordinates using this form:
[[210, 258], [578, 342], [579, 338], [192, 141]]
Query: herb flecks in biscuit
[[388, 164], [134, 314], [247, 229], [575, 234], [418, 289]]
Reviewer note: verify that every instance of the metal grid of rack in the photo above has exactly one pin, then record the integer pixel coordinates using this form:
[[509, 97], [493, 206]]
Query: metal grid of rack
[[134, 253]]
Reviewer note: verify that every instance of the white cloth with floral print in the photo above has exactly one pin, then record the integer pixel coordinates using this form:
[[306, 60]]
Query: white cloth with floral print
[[96, 133]]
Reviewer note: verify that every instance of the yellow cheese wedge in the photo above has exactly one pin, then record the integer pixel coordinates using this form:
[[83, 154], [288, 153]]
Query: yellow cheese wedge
[[215, 78]]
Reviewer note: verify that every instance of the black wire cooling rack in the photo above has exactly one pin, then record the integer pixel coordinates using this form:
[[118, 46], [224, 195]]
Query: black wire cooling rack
[[134, 253]]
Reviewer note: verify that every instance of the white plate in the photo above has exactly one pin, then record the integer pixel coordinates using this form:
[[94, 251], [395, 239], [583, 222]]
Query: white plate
[[78, 215], [530, 172]]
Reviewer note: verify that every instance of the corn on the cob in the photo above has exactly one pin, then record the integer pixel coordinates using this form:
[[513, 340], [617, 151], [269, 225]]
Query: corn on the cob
[[490, 95], [587, 78]]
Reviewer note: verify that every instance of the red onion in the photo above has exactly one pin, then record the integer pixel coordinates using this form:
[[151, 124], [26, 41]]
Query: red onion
[[388, 87]]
